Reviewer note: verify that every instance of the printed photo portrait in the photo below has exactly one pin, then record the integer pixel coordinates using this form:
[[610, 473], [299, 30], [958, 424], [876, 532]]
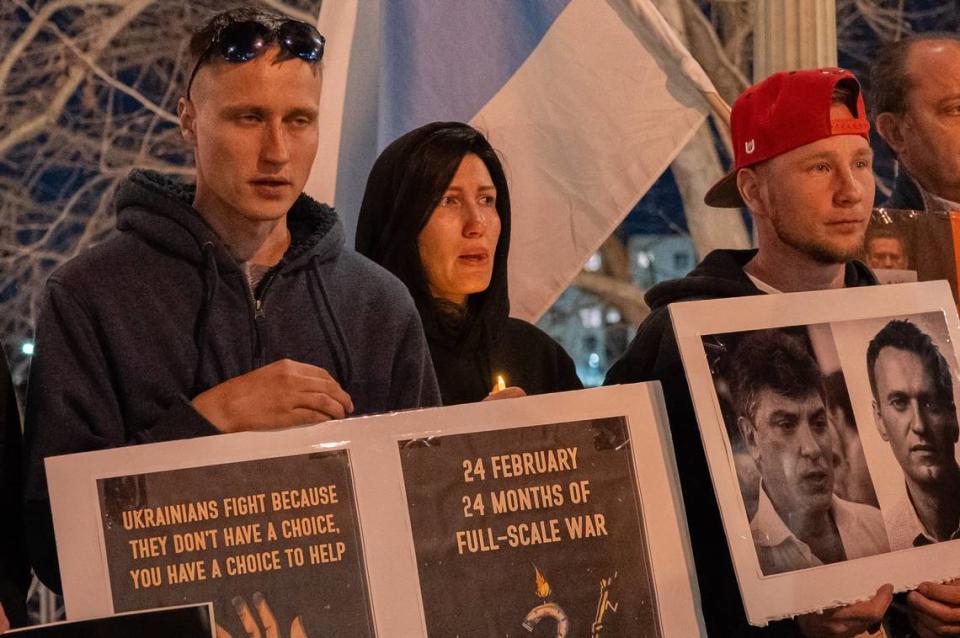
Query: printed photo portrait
[[829, 424], [905, 245], [903, 374], [885, 248], [806, 488]]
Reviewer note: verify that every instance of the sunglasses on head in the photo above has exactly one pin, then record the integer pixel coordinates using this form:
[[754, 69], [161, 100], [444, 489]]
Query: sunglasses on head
[[240, 42]]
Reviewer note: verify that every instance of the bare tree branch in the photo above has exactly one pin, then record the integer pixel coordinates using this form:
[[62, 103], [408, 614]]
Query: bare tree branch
[[120, 86], [76, 75], [38, 22], [705, 46], [35, 125]]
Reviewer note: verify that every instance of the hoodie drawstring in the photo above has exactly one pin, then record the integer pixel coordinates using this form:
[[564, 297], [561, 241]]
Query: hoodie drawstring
[[341, 351], [211, 284]]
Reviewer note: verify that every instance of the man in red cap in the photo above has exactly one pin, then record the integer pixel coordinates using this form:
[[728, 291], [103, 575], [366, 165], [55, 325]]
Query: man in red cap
[[803, 169]]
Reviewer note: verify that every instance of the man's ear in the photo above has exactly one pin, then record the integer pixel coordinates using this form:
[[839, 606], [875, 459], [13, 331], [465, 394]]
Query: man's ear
[[188, 120], [750, 186], [890, 127], [749, 434], [881, 427]]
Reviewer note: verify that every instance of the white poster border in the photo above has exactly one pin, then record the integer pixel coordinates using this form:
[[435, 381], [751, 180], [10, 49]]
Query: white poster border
[[768, 598], [371, 442]]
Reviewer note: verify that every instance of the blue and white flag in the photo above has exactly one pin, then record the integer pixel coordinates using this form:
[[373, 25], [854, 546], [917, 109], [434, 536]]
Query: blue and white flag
[[588, 102]]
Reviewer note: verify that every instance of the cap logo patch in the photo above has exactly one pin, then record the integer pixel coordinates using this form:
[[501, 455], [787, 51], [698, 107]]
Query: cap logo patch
[[750, 146]]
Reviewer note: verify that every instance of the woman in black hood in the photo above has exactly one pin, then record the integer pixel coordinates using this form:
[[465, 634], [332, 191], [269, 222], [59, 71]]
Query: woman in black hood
[[436, 213]]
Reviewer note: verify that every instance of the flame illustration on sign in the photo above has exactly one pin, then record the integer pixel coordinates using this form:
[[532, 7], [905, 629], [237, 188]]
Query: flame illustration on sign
[[546, 610], [543, 587]]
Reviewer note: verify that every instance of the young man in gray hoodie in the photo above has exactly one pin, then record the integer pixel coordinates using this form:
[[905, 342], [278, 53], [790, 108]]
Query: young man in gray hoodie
[[227, 306]]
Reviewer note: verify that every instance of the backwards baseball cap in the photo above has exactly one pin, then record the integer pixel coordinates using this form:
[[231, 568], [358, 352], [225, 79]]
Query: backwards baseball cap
[[786, 111]]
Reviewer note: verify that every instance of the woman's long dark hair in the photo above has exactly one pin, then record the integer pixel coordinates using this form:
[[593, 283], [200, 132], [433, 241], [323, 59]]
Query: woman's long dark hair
[[405, 186]]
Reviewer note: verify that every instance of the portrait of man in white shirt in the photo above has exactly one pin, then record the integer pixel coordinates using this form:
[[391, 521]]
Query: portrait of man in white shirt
[[782, 415], [915, 413]]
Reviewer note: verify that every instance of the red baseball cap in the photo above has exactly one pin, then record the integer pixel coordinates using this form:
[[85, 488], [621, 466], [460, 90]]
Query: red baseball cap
[[788, 110]]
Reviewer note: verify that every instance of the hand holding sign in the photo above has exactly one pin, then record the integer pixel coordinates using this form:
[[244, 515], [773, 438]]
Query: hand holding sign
[[848, 620], [935, 609]]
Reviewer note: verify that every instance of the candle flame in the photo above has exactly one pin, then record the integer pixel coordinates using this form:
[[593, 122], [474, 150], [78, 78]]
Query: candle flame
[[543, 587], [501, 384]]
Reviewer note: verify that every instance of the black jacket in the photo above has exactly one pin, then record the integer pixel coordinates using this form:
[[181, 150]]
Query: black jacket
[[134, 328], [927, 235], [399, 199], [14, 568], [653, 356], [524, 354], [905, 193]]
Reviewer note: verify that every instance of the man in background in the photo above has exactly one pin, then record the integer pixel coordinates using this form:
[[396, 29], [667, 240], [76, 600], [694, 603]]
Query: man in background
[[884, 249], [915, 102]]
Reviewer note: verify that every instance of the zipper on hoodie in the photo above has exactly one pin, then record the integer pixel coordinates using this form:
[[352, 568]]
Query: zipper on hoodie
[[257, 306], [256, 310]]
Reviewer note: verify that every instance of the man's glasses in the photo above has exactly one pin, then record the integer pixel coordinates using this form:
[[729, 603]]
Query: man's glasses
[[240, 42]]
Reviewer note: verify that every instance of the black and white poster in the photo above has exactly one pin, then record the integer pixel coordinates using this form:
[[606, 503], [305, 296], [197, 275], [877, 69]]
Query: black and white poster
[[830, 425]]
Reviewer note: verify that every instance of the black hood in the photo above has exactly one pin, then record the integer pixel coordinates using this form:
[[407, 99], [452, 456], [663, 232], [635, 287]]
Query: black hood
[[159, 209], [402, 191], [721, 275]]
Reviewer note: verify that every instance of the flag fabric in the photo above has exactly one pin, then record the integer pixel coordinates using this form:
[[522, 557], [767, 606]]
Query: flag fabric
[[587, 101]]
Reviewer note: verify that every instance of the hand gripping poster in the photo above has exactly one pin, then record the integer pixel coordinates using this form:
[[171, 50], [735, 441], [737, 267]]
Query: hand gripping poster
[[829, 421], [550, 516]]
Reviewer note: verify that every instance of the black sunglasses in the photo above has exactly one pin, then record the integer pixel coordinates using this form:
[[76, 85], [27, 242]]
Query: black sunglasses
[[240, 42]]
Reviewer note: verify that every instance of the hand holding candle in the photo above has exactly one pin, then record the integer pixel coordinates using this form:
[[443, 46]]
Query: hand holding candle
[[502, 391]]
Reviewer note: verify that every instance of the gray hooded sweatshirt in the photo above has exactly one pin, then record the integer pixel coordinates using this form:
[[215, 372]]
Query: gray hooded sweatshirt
[[134, 328]]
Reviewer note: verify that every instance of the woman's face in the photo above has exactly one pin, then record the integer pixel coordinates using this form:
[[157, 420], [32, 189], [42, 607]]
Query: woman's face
[[458, 244]]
